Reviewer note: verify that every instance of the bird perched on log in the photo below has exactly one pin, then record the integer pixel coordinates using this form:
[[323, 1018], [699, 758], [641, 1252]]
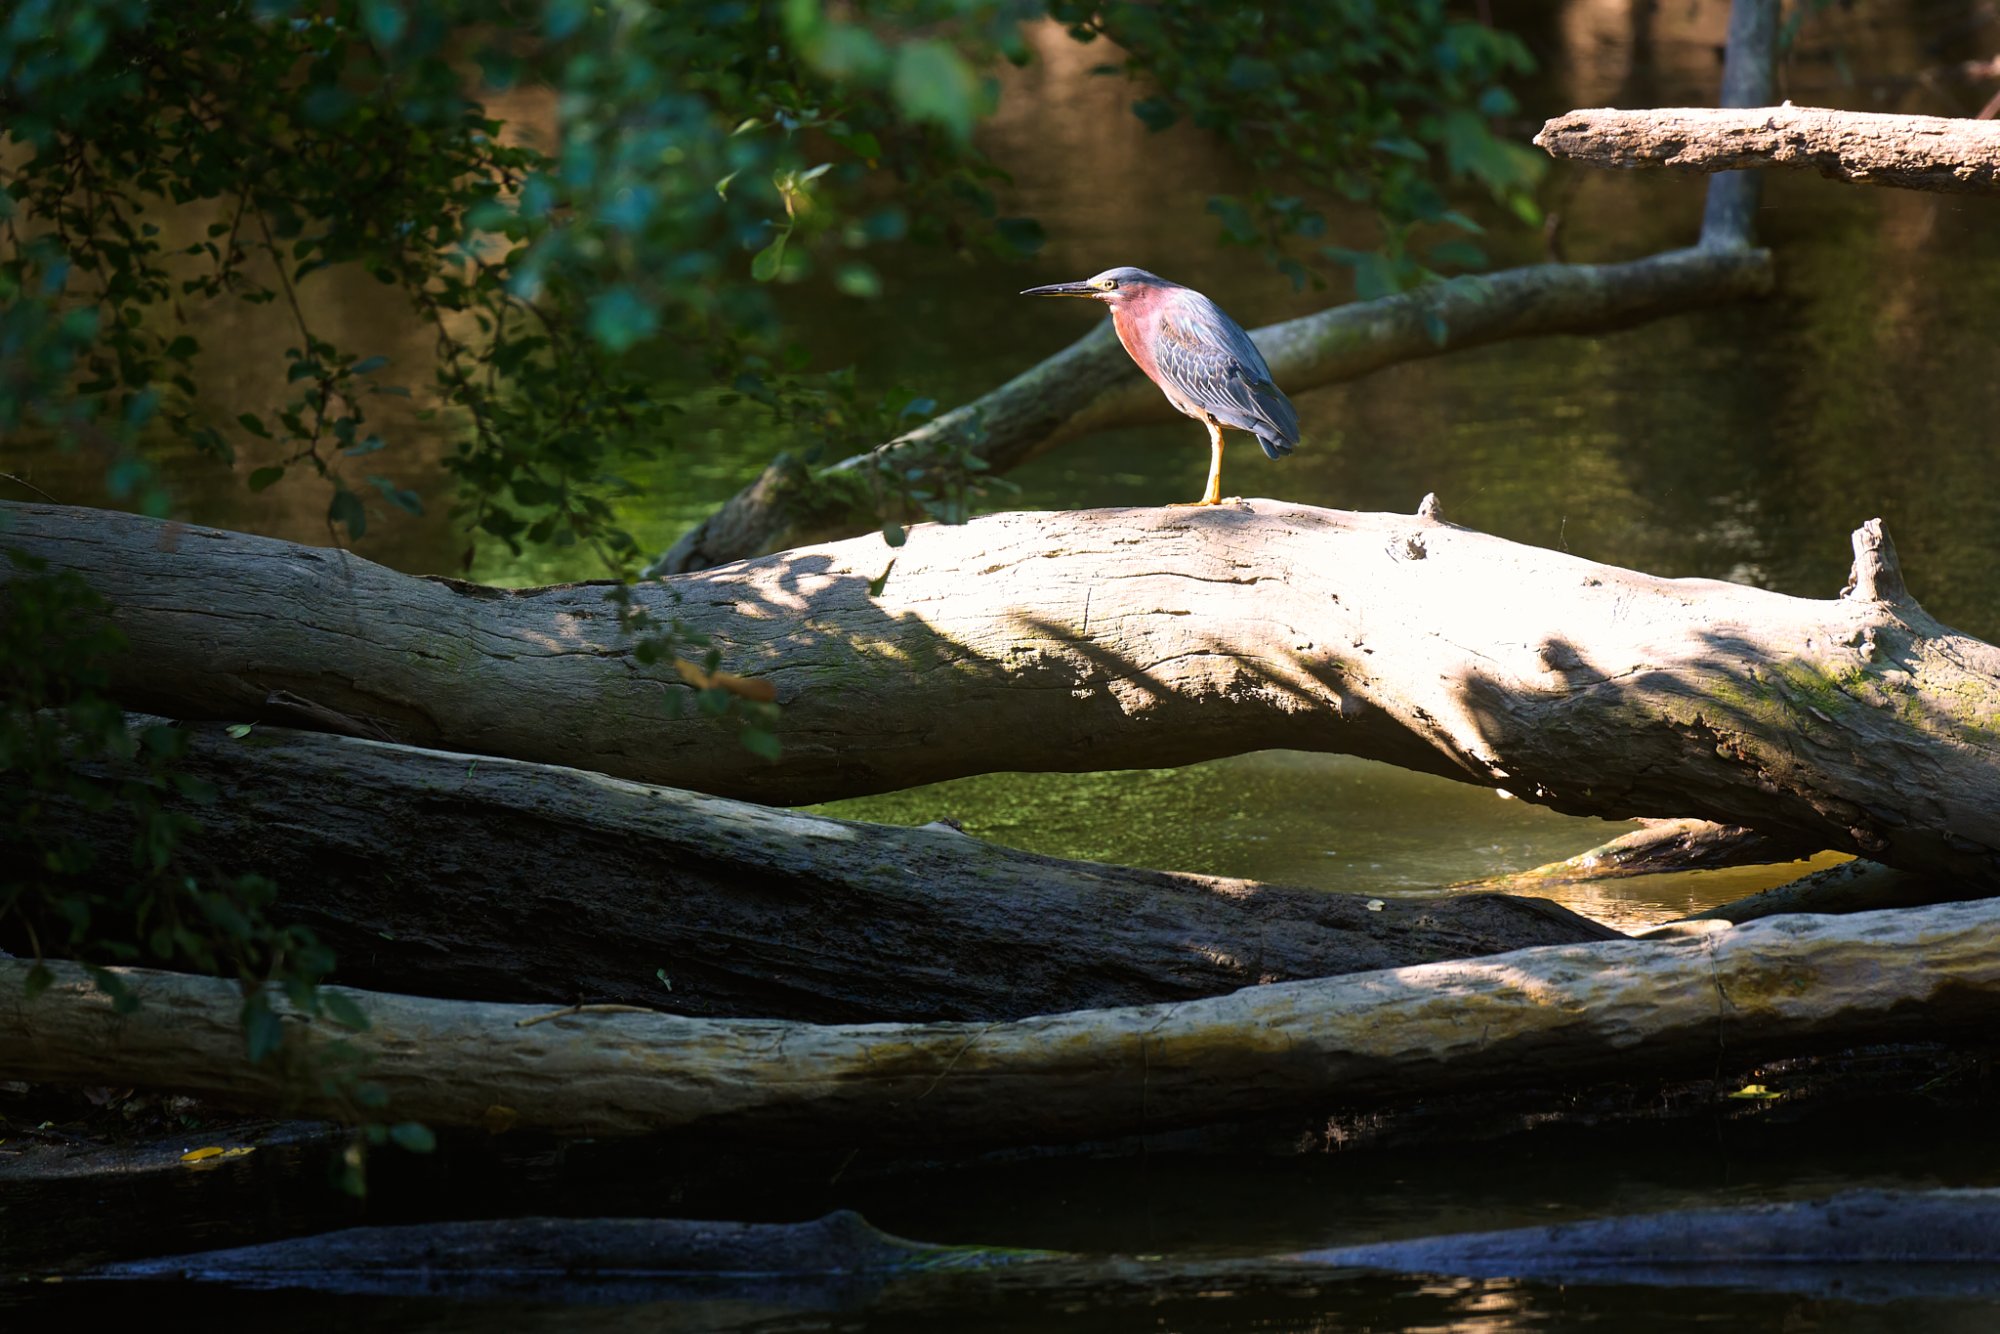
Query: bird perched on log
[[1202, 360]]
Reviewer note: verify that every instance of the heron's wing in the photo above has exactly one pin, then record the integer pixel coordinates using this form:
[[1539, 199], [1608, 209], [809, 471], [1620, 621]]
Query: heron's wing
[[1212, 364]]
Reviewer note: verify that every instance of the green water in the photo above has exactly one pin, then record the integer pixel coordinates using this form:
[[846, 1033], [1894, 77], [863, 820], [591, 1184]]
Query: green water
[[1742, 443]]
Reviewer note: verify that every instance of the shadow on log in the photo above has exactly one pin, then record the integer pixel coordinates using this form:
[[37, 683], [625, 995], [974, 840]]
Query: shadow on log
[[500, 880], [1565, 1015], [1134, 638]]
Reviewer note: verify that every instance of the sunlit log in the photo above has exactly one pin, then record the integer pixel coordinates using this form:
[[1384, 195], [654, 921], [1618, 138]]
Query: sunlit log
[[1560, 1015], [1106, 639], [1863, 147]]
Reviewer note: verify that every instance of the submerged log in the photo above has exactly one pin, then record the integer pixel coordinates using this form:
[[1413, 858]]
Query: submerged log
[[1092, 385], [501, 880], [1862, 147], [1858, 1245], [1559, 1016], [1864, 1245], [1122, 638]]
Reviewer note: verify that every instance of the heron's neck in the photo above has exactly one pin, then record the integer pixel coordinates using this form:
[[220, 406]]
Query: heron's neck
[[1131, 320]]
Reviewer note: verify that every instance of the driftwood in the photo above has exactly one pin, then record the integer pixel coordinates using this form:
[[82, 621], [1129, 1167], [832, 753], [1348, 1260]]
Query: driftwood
[[1657, 847], [1860, 1245], [500, 880], [1863, 147], [1092, 385], [1856, 886], [1562, 1015], [1124, 638]]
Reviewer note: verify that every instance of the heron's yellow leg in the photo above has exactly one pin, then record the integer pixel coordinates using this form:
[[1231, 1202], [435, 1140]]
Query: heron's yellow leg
[[1212, 496]]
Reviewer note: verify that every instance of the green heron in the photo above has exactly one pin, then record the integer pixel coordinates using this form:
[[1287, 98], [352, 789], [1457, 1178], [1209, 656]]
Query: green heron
[[1202, 360]]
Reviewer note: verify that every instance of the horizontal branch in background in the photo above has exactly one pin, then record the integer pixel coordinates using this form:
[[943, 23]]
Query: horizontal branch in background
[[1106, 639], [1562, 1015], [502, 880], [1092, 385], [1867, 148]]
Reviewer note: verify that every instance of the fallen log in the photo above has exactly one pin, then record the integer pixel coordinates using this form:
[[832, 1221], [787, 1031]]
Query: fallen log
[[1122, 638], [1869, 1245], [1864, 1245], [1558, 1016], [1092, 385], [1658, 847], [1862, 147], [515, 881], [1855, 886]]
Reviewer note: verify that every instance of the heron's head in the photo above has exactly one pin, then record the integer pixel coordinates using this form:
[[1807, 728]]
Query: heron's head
[[1113, 287]]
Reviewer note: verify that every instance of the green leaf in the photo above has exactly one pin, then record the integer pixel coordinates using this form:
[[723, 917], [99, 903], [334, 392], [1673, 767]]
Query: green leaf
[[37, 981], [239, 730], [932, 82], [346, 508], [894, 534], [760, 743], [264, 477], [620, 318], [859, 280], [1156, 112], [343, 1011], [254, 424], [414, 1136], [765, 266], [263, 1031]]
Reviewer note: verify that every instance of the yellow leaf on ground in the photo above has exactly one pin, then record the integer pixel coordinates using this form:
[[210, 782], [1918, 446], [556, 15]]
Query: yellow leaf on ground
[[202, 1155]]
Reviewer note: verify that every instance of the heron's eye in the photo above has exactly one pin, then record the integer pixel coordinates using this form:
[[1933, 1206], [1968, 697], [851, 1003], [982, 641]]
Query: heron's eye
[[1106, 284]]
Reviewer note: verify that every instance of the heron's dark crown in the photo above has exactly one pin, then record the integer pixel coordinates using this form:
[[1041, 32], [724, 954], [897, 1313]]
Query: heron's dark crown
[[1125, 275]]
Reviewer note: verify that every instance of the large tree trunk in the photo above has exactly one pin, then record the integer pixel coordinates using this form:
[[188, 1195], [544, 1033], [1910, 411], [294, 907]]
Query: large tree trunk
[[1092, 385], [496, 879], [1564, 1015], [1863, 147], [1122, 638]]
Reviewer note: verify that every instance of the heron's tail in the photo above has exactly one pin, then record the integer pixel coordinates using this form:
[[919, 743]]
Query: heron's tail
[[1275, 446]]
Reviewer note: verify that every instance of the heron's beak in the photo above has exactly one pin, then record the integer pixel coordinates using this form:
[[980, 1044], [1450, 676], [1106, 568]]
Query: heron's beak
[[1063, 289]]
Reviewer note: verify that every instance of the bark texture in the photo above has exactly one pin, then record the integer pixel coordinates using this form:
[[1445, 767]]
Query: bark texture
[[1124, 638], [496, 879], [1563, 1015], [1867, 148], [1092, 385]]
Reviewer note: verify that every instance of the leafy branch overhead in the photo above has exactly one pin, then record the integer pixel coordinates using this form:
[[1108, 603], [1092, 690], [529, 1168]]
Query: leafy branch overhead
[[578, 292]]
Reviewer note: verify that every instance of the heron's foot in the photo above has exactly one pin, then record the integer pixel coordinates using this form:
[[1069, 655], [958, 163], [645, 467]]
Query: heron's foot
[[1208, 504]]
